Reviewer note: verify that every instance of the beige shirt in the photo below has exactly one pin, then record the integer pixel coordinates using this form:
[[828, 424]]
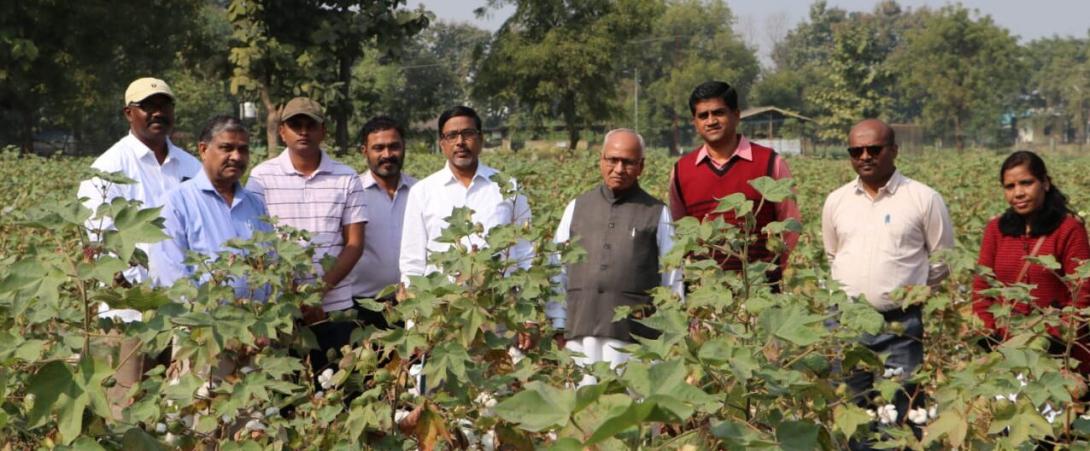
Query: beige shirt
[[879, 244]]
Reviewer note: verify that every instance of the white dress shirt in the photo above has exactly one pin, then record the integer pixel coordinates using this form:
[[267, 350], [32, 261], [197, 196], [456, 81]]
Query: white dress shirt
[[377, 268], [876, 245], [151, 182], [433, 199], [557, 310]]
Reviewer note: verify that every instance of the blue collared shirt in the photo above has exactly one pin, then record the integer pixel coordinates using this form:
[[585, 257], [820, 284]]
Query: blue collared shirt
[[198, 219]]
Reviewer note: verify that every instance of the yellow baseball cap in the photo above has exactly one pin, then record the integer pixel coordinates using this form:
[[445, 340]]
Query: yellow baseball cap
[[304, 106], [143, 88]]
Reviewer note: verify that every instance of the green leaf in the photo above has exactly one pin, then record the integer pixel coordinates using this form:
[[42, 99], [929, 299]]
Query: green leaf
[[137, 439], [630, 417], [773, 190], [736, 202], [847, 418], [950, 423], [794, 324], [85, 443], [565, 444], [538, 407], [797, 435]]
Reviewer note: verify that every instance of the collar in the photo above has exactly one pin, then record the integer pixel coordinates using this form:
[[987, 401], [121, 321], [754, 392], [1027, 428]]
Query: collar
[[484, 172], [141, 150], [406, 180], [325, 165], [743, 151], [890, 187], [618, 198], [204, 184]]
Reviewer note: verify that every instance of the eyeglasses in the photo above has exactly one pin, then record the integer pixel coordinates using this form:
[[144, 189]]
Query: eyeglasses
[[873, 151], [626, 163], [468, 134]]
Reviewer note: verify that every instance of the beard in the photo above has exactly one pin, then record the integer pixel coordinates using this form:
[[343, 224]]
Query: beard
[[387, 167]]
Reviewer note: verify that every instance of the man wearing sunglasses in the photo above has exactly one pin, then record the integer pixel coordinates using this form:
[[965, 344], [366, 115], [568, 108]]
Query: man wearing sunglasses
[[148, 157], [724, 165], [880, 232]]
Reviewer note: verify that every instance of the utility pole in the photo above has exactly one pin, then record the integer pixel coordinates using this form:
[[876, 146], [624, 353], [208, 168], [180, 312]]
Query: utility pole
[[636, 91]]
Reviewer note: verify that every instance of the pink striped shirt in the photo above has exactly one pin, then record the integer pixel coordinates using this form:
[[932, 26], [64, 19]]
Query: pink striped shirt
[[321, 203]]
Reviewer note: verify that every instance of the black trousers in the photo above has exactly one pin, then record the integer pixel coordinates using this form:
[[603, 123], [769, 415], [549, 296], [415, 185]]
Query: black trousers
[[332, 335], [905, 352]]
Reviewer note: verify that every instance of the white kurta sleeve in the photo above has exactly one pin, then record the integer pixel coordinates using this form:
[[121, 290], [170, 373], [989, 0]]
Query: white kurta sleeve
[[665, 238], [556, 309]]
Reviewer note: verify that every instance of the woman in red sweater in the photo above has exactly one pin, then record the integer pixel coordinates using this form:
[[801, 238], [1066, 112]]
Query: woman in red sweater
[[1038, 223]]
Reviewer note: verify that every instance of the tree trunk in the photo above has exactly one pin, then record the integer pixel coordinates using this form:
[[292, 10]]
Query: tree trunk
[[675, 143], [573, 138], [341, 107], [272, 121], [959, 141], [26, 133]]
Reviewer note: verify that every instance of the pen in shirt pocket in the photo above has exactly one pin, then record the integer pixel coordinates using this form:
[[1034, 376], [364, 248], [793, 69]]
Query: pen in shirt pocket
[[633, 232]]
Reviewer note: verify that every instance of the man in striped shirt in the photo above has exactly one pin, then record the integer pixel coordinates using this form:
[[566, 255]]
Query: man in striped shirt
[[306, 189]]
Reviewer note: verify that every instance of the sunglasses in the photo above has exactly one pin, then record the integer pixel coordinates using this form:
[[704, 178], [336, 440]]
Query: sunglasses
[[873, 151]]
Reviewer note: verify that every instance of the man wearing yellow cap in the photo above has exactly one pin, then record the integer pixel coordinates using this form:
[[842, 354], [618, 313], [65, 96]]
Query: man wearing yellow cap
[[156, 166]]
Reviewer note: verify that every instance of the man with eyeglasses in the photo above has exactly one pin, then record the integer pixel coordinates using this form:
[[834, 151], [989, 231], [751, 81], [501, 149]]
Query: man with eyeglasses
[[463, 182], [305, 188], [148, 157], [880, 232], [386, 192], [625, 232], [724, 165]]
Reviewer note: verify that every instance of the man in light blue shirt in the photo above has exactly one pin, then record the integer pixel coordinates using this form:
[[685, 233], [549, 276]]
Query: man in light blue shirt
[[204, 213]]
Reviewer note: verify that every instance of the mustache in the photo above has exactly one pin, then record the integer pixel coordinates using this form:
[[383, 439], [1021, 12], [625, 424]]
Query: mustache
[[159, 120], [393, 160]]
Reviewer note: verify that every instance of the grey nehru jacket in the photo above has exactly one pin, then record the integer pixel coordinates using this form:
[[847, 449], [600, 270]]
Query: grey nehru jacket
[[622, 264]]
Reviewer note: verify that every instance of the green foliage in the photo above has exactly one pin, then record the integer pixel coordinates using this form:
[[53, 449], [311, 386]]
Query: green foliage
[[693, 41], [967, 71], [558, 59]]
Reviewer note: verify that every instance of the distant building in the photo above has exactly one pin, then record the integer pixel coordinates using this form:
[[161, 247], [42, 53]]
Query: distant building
[[787, 132]]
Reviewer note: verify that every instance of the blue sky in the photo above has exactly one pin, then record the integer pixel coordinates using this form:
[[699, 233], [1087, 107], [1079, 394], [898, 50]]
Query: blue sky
[[759, 21]]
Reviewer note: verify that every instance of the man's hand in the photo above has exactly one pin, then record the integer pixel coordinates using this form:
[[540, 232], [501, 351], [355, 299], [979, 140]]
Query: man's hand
[[528, 339], [558, 337], [312, 315]]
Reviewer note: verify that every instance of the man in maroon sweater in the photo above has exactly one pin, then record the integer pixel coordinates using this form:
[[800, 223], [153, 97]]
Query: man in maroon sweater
[[724, 165]]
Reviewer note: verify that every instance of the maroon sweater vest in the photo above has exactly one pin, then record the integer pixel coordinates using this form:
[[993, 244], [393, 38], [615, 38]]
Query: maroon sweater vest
[[701, 186]]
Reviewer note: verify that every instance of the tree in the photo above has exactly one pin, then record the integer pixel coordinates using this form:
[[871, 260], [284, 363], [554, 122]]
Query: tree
[[290, 47], [558, 59], [857, 81], [430, 73], [1061, 79], [59, 72], [966, 71], [693, 42]]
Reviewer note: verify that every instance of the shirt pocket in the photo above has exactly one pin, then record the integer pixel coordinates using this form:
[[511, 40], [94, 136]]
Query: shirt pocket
[[898, 237]]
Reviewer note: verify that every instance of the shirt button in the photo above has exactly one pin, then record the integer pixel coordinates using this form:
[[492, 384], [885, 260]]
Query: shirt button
[[611, 225], [600, 291], [602, 267], [606, 246]]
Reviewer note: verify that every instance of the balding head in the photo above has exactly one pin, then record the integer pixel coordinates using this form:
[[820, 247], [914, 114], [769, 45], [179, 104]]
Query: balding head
[[874, 130], [625, 138], [622, 159], [873, 151]]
